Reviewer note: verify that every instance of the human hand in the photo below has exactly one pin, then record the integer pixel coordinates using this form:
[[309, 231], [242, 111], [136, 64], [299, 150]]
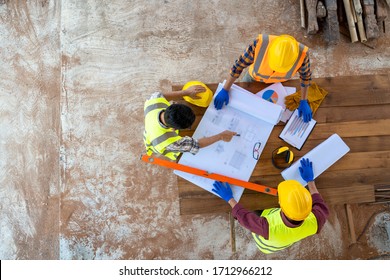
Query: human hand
[[223, 190], [304, 110], [194, 90], [222, 97], [227, 135], [306, 170]]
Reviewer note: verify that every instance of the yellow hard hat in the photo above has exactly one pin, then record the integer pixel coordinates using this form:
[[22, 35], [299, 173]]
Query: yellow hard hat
[[282, 53], [206, 96], [294, 199]]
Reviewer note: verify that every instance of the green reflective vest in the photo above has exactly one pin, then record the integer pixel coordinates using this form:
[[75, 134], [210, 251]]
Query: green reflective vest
[[281, 236], [156, 137]]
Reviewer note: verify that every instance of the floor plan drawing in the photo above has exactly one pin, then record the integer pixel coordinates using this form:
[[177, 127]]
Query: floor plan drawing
[[250, 116]]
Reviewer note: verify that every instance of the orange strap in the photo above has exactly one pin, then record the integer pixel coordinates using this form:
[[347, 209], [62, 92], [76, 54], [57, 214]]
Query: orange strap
[[214, 176]]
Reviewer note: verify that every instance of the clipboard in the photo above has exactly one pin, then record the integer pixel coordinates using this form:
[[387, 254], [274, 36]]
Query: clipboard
[[296, 131]]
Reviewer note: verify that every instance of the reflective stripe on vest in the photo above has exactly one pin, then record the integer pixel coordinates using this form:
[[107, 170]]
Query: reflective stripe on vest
[[156, 137], [260, 70], [281, 236], [152, 107]]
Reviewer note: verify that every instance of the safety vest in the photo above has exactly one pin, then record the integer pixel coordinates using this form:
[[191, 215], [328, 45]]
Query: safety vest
[[260, 70], [156, 137], [281, 236]]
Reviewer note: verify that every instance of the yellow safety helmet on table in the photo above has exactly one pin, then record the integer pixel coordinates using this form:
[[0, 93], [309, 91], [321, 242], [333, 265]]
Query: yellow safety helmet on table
[[282, 53], [205, 97], [294, 200]]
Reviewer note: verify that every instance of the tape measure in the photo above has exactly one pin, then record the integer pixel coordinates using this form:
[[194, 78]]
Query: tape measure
[[206, 174]]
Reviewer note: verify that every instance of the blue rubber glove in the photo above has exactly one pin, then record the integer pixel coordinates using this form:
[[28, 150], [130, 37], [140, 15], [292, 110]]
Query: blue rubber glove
[[306, 170], [223, 190], [222, 97], [305, 110]]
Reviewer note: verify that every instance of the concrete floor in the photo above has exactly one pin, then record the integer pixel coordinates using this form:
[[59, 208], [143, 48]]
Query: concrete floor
[[75, 75]]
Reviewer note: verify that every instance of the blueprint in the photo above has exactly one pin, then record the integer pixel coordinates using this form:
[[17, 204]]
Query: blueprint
[[247, 114]]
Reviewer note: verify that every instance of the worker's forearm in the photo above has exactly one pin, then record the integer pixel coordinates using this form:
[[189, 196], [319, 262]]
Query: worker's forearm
[[207, 141], [175, 94], [232, 202], [312, 187], [229, 82], [303, 92]]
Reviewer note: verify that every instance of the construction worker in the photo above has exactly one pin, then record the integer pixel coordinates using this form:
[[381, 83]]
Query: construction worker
[[163, 121], [302, 213], [272, 59]]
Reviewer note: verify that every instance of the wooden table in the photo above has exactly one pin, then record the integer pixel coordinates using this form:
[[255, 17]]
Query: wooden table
[[357, 108]]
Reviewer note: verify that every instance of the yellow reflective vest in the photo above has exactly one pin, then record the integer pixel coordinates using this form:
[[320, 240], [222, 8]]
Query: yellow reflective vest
[[281, 236], [260, 70], [156, 137]]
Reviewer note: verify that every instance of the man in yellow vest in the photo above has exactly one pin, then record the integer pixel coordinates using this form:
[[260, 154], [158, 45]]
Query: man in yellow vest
[[302, 213], [163, 121], [272, 59]]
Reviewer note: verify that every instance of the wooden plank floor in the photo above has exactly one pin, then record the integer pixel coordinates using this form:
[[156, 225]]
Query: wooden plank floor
[[358, 109]]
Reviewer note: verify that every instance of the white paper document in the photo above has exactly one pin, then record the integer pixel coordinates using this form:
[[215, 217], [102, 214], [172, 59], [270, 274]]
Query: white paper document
[[287, 113], [248, 115], [290, 90], [275, 93], [296, 131], [322, 156]]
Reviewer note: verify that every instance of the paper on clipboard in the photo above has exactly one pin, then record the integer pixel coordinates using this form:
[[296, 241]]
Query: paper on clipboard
[[296, 131]]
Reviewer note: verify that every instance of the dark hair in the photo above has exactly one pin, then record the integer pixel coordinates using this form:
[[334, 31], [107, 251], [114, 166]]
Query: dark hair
[[179, 116]]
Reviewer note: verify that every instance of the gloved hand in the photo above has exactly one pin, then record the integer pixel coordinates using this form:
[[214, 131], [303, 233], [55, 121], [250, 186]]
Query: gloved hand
[[306, 170], [304, 110], [223, 190], [222, 97]]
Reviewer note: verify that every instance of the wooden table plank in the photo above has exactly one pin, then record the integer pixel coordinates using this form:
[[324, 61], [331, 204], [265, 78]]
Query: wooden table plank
[[253, 201], [352, 129], [349, 162], [356, 90], [352, 113]]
